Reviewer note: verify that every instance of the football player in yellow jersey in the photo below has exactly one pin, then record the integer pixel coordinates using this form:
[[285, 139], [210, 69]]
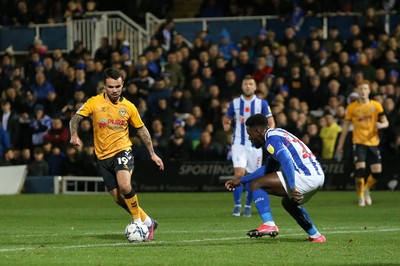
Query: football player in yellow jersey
[[367, 116], [111, 116]]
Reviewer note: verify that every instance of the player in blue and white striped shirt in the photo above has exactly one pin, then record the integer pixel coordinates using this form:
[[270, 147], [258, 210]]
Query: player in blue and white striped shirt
[[291, 171], [245, 157]]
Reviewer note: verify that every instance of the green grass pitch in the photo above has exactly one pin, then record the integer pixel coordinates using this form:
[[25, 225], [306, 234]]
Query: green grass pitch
[[195, 229]]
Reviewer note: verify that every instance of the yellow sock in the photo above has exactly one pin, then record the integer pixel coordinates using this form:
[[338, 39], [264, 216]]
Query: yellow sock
[[133, 206], [371, 181], [143, 214], [360, 187]]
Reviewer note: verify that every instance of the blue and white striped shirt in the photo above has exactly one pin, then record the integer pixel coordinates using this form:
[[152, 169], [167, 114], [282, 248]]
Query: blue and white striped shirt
[[241, 109], [286, 150], [304, 161]]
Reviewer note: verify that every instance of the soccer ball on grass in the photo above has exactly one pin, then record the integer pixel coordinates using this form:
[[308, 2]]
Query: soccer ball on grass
[[136, 232]]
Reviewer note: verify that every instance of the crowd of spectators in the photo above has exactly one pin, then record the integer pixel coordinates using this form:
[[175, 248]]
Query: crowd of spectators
[[289, 9], [183, 92], [28, 12]]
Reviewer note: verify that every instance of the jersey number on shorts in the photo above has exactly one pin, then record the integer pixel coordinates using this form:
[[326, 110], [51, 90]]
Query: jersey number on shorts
[[122, 160]]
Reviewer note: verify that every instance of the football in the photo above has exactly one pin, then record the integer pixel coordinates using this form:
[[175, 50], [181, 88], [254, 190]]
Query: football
[[136, 232]]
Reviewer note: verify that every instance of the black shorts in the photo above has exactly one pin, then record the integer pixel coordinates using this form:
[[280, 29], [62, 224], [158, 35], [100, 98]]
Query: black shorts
[[369, 154], [108, 167]]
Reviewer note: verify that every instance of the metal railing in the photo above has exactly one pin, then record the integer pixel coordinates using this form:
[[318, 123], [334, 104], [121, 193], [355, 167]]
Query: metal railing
[[152, 22], [82, 185], [112, 24]]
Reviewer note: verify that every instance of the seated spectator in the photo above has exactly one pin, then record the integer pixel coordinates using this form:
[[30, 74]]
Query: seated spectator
[[207, 77], [39, 125], [179, 146], [146, 114], [198, 91], [39, 47], [81, 83], [85, 132], [41, 88], [54, 160], [160, 135], [226, 45], [262, 69], [160, 91], [180, 103], [70, 164], [153, 63], [174, 69], [193, 129], [316, 91], [329, 135], [23, 15], [140, 151], [244, 66], [53, 104], [88, 162], [164, 113], [25, 157], [312, 139], [231, 87], [207, 149], [131, 93], [10, 122], [192, 70], [58, 134], [143, 81], [103, 53], [5, 143], [212, 111], [49, 69], [198, 113], [38, 167], [77, 53]]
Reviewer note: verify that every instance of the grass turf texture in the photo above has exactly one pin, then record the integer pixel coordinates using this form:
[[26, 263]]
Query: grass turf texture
[[195, 229]]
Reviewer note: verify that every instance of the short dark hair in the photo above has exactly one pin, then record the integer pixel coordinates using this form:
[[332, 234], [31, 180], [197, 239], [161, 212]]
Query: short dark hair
[[247, 77], [112, 73], [257, 120]]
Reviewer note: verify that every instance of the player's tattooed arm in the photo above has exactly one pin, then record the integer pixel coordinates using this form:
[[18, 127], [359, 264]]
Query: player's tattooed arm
[[146, 138], [74, 124], [144, 135]]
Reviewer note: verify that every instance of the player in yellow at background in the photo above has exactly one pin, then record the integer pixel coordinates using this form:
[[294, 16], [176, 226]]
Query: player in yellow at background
[[367, 116], [111, 115]]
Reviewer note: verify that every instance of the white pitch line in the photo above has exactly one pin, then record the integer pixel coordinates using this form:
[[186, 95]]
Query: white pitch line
[[77, 233], [187, 241]]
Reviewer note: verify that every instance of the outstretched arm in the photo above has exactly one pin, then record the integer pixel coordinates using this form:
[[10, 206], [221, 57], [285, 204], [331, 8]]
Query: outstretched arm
[[73, 128], [144, 135], [345, 130], [271, 165], [383, 122], [256, 174]]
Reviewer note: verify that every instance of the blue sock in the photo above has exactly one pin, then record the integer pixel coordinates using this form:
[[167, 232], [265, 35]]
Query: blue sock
[[237, 195], [249, 195], [310, 230], [262, 202], [300, 214]]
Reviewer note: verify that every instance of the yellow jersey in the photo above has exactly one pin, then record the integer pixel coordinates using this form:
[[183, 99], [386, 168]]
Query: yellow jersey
[[329, 136], [111, 124], [364, 116]]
